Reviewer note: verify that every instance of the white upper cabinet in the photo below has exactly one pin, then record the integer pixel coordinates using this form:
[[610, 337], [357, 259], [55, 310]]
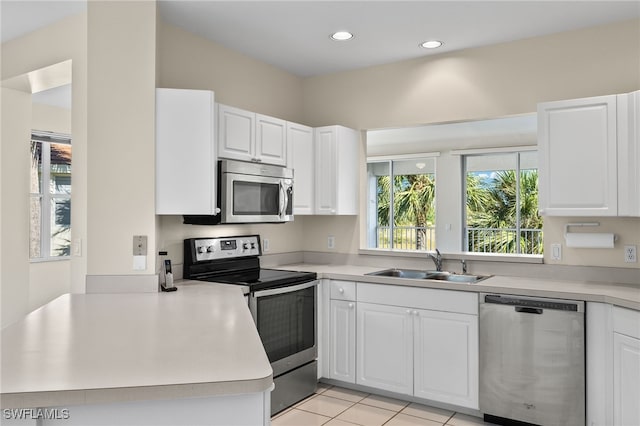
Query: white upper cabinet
[[271, 140], [577, 142], [247, 136], [336, 161], [236, 134], [629, 154], [185, 152], [301, 158], [589, 151]]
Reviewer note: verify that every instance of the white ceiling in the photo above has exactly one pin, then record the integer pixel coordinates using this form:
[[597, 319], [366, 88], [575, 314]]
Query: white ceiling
[[294, 35]]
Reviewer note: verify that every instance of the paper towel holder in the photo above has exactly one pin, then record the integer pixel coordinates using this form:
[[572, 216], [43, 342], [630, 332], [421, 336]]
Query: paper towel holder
[[594, 240]]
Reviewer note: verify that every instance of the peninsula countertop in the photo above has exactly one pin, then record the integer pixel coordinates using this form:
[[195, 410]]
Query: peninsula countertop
[[99, 348], [623, 295]]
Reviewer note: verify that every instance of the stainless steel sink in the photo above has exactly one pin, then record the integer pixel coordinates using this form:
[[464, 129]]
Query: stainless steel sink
[[459, 278], [401, 273], [430, 275]]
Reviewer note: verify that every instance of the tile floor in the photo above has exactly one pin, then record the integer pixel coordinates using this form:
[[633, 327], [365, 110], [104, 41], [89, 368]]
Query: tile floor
[[336, 406]]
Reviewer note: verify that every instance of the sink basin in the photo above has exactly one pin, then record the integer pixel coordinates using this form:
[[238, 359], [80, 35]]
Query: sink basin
[[401, 273], [458, 278], [430, 275]]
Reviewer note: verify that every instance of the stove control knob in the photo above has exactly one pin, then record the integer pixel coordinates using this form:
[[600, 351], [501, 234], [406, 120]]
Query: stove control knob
[[210, 249], [253, 246], [200, 249], [245, 246]]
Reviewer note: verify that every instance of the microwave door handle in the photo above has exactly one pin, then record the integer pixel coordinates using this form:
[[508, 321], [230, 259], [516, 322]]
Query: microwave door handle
[[283, 200]]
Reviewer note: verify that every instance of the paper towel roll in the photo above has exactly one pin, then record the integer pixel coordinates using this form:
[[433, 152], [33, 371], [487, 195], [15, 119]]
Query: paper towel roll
[[589, 240]]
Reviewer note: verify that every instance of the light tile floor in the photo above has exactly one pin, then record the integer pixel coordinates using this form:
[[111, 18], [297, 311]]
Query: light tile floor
[[336, 406]]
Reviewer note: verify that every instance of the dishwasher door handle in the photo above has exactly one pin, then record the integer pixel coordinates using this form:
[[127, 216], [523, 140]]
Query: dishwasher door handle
[[537, 311]]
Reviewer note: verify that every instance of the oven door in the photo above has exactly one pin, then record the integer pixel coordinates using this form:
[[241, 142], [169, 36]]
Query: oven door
[[286, 322], [254, 198]]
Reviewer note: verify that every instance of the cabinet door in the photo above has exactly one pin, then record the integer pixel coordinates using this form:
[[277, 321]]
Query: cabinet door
[[342, 358], [236, 138], [301, 158], [384, 347], [271, 140], [629, 154], [577, 142], [326, 172], [185, 152], [626, 380], [446, 357]]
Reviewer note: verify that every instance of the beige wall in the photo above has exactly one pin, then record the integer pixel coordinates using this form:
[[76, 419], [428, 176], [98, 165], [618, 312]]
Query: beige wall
[[493, 81], [485, 82], [121, 133], [187, 61], [14, 215], [56, 43]]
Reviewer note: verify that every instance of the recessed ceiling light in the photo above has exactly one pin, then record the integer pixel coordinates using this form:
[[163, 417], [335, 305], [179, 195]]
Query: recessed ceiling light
[[431, 44], [341, 36]]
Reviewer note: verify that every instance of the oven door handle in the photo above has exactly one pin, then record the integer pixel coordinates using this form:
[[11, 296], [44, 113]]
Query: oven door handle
[[283, 290]]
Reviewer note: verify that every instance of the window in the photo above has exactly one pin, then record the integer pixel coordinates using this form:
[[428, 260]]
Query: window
[[502, 203], [50, 208], [401, 204]]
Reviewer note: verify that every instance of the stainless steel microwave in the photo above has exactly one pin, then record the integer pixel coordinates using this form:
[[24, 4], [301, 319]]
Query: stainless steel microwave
[[254, 192], [251, 193]]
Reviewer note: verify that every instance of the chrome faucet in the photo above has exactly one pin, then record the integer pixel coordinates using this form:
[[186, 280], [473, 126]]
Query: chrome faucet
[[464, 266], [437, 259]]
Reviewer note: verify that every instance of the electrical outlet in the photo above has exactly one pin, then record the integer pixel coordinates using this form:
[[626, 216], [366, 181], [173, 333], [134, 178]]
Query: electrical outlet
[[331, 242], [630, 254], [556, 251]]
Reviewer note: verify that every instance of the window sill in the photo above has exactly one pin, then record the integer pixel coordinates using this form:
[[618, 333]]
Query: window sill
[[50, 259], [484, 257]]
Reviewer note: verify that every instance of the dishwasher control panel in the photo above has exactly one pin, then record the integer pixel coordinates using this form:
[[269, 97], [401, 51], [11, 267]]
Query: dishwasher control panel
[[532, 303]]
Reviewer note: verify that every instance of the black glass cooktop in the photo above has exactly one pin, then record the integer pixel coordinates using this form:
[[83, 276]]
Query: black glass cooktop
[[262, 279]]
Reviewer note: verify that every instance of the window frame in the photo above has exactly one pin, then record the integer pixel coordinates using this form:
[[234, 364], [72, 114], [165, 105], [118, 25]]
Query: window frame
[[517, 151], [371, 222], [45, 196]]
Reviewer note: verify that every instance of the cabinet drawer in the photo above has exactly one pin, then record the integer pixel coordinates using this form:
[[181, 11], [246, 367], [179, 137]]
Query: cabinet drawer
[[343, 290], [422, 298]]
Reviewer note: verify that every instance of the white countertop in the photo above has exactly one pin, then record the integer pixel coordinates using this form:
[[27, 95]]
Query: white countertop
[[625, 295], [96, 348]]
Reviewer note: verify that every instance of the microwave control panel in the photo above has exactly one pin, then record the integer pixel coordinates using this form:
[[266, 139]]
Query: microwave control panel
[[227, 247]]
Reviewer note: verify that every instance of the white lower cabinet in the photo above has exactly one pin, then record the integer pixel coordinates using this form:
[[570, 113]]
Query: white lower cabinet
[[385, 348], [613, 365], [342, 360], [419, 342], [626, 367], [445, 357], [626, 380]]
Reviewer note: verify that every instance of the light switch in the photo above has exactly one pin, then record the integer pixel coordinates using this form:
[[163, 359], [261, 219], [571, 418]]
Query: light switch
[[139, 263], [556, 252]]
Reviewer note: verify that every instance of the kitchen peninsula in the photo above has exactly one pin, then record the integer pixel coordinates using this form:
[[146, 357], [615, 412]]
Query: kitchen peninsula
[[188, 357]]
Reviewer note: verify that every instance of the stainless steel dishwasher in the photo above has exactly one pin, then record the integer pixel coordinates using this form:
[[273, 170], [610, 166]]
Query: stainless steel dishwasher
[[532, 360]]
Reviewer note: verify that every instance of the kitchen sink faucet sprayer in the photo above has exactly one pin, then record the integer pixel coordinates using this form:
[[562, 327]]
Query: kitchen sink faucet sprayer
[[437, 259]]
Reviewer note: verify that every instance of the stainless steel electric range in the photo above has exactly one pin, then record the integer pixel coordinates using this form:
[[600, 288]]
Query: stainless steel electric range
[[283, 305]]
